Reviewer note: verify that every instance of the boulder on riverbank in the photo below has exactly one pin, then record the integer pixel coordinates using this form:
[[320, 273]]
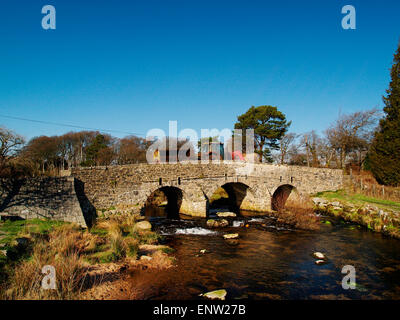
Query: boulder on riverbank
[[320, 202], [142, 226], [364, 214]]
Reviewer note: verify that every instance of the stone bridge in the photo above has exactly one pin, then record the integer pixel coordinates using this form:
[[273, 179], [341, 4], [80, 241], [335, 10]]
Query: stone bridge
[[189, 186]]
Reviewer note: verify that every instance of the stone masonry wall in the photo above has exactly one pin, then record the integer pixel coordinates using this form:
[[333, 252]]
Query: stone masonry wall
[[52, 198], [130, 184]]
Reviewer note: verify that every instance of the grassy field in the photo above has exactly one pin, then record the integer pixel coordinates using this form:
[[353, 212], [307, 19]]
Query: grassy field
[[359, 199], [10, 230], [28, 245]]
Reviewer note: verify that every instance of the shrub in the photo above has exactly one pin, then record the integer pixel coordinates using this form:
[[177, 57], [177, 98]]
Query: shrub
[[299, 213]]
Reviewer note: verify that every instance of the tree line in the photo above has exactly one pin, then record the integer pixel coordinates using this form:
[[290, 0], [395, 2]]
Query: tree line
[[346, 141], [50, 154]]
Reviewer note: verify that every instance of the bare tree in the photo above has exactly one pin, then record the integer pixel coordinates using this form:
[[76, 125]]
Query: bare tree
[[297, 156], [132, 150], [284, 145], [352, 133], [327, 154], [44, 151], [310, 141], [10, 143]]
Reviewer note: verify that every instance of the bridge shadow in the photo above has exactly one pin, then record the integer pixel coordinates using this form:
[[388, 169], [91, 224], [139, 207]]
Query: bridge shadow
[[9, 189], [228, 197], [164, 202], [88, 210]]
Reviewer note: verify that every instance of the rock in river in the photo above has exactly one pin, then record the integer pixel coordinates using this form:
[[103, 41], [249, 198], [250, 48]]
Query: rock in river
[[226, 214], [319, 255], [217, 294], [231, 236], [211, 223]]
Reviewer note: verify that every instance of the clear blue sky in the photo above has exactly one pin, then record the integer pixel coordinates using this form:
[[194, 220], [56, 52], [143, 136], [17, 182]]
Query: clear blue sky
[[134, 65]]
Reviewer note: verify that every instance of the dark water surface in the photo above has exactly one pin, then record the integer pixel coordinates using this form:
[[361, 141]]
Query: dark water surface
[[270, 262]]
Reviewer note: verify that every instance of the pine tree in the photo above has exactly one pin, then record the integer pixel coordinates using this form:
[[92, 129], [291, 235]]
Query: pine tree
[[269, 125], [384, 155]]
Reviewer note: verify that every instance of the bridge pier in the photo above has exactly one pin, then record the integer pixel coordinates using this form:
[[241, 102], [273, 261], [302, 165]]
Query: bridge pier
[[194, 208], [263, 205]]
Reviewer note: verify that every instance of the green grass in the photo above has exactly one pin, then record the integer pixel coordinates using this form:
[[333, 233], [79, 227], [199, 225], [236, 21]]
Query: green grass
[[98, 231], [3, 260], [168, 250], [103, 257], [359, 199], [113, 250], [147, 237], [9, 230]]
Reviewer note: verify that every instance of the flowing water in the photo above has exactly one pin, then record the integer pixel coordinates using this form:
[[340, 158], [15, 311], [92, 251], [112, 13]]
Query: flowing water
[[271, 262]]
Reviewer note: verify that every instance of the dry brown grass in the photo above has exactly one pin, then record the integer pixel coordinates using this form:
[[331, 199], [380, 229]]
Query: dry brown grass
[[58, 251], [161, 260], [299, 213], [364, 183], [123, 223]]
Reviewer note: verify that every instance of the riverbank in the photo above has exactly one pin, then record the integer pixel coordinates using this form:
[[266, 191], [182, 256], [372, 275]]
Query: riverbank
[[373, 213], [88, 264]]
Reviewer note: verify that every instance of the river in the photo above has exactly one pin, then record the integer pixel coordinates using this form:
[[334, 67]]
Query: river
[[271, 262]]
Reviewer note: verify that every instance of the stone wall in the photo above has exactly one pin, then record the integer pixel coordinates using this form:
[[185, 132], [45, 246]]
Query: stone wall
[[50, 198], [76, 198]]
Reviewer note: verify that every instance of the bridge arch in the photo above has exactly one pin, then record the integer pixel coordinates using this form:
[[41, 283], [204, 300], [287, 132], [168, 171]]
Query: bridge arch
[[281, 195], [165, 201], [230, 196]]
